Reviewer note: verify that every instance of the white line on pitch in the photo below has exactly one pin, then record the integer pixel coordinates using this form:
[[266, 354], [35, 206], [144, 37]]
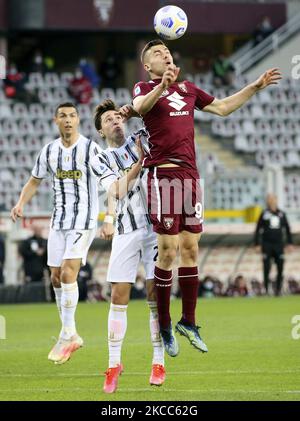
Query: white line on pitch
[[136, 373], [148, 389]]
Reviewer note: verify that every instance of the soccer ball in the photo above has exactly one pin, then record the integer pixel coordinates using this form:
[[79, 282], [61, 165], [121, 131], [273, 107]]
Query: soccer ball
[[170, 22]]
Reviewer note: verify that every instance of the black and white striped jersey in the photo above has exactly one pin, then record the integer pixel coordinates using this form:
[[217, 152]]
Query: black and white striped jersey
[[112, 164], [74, 184]]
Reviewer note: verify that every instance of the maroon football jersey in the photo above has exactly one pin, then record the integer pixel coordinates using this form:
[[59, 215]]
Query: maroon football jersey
[[170, 122]]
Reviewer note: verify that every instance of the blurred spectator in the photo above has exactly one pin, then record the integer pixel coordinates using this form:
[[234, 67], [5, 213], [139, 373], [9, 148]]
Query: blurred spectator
[[14, 85], [110, 71], [201, 63], [263, 30], [34, 253], [218, 288], [41, 64], [96, 292], [293, 286], [238, 288], [2, 258], [206, 288], [81, 88], [88, 71], [138, 289], [256, 287], [85, 276], [223, 71]]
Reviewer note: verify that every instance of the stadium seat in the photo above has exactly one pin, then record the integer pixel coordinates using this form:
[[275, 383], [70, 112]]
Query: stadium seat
[[35, 80], [123, 96], [19, 110], [51, 80], [5, 111], [107, 93], [65, 79], [36, 111]]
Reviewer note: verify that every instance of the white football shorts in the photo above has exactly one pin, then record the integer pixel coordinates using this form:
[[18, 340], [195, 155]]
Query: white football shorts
[[127, 252], [69, 244]]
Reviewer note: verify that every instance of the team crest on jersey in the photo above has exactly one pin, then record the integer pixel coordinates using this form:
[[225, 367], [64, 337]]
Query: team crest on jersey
[[168, 222], [182, 87], [165, 93]]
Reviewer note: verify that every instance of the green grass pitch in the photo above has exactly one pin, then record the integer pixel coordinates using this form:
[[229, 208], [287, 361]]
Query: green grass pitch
[[252, 355]]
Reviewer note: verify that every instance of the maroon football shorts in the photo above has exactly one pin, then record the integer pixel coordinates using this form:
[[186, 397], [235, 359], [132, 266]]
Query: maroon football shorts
[[175, 200]]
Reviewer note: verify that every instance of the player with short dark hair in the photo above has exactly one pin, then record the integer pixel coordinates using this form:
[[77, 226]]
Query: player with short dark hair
[[167, 108], [119, 169], [74, 219]]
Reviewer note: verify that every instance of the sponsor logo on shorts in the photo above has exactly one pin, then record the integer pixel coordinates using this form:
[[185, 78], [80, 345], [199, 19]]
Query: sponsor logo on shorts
[[73, 174], [168, 223]]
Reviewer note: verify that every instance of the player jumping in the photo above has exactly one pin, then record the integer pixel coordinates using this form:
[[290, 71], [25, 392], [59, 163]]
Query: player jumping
[[167, 108], [119, 169], [74, 219]]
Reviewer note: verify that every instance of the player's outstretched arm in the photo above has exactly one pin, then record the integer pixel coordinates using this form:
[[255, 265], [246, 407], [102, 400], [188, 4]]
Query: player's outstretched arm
[[28, 191], [226, 106], [144, 103], [127, 111], [107, 229]]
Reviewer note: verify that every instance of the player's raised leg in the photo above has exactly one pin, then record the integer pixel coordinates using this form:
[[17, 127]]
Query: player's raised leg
[[158, 372], [167, 249], [189, 283], [117, 326]]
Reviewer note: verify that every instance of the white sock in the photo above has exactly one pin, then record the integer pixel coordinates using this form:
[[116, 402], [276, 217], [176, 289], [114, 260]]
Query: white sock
[[158, 348], [58, 293], [117, 325], [69, 301]]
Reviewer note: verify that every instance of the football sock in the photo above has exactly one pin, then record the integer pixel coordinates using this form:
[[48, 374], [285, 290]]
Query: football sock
[[158, 348], [117, 325], [189, 284], [69, 301], [163, 284], [58, 293]]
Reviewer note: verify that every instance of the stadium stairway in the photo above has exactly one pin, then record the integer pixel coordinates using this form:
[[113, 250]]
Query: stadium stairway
[[228, 158]]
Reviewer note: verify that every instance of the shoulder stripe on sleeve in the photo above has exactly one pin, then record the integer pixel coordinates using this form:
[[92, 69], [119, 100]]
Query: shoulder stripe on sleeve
[[76, 190], [61, 183], [88, 178]]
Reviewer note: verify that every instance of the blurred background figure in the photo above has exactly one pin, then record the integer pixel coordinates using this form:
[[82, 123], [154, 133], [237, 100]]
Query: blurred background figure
[[206, 288], [223, 71], [14, 85], [263, 30], [2, 258], [34, 253], [41, 64], [110, 71], [238, 288], [85, 277], [88, 71], [270, 234], [81, 88]]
